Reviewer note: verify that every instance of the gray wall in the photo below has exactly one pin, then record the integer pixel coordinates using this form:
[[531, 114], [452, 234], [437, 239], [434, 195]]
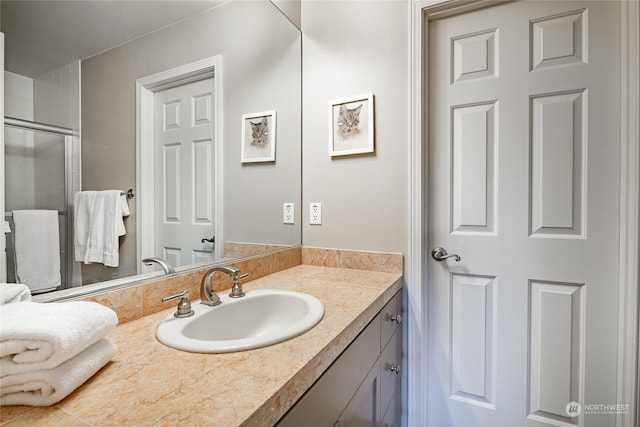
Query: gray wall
[[350, 48], [260, 51]]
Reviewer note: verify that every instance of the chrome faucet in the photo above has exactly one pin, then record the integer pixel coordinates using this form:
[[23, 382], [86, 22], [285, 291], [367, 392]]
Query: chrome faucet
[[168, 268], [209, 297]]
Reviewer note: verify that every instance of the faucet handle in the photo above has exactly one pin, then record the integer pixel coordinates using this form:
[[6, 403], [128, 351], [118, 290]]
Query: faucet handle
[[184, 306], [236, 290]]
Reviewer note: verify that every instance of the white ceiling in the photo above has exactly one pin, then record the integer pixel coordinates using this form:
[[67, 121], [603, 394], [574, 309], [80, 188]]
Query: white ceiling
[[43, 35]]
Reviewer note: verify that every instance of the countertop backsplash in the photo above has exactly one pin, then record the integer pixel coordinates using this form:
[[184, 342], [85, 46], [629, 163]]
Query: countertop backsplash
[[137, 301]]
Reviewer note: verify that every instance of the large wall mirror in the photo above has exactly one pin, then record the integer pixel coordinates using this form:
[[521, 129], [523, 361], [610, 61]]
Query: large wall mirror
[[193, 105]]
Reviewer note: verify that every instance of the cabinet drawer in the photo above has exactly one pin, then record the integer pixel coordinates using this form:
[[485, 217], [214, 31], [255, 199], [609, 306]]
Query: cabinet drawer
[[391, 316], [393, 414], [390, 365]]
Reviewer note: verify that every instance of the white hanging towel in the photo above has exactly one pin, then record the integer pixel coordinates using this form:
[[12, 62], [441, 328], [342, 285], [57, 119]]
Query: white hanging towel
[[37, 249], [98, 224]]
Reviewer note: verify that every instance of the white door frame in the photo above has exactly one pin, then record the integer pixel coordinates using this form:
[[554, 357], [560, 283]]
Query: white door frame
[[629, 281], [145, 89]]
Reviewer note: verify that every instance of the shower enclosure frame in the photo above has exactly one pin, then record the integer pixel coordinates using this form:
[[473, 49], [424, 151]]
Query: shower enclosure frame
[[66, 265]]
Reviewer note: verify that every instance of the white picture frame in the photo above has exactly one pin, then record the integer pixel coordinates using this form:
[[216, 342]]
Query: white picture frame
[[351, 125], [258, 137]]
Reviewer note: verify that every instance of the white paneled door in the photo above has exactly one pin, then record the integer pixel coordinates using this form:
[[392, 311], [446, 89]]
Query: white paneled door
[[184, 173], [523, 184]]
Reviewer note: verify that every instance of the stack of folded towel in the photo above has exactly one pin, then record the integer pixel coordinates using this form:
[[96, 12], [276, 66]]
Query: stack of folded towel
[[14, 292], [49, 350]]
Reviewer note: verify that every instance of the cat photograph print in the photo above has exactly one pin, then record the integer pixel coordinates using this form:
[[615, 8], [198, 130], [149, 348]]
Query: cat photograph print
[[258, 137], [351, 125]]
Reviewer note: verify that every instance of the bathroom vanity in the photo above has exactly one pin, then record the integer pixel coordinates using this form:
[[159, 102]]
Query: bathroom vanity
[[148, 383], [362, 387]]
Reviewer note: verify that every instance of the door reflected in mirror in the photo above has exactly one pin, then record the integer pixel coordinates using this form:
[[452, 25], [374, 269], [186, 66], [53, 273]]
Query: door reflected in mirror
[[182, 217]]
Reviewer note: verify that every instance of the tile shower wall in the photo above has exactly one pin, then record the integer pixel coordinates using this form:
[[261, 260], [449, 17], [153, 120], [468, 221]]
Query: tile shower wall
[[18, 96], [57, 96], [19, 145]]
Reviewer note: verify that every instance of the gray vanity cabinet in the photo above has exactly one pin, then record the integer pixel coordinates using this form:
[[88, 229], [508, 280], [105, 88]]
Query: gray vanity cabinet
[[391, 363], [362, 387]]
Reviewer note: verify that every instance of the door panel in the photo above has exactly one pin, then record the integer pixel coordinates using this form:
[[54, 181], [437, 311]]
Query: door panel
[[473, 339], [184, 173], [558, 154], [557, 346], [523, 184], [474, 186]]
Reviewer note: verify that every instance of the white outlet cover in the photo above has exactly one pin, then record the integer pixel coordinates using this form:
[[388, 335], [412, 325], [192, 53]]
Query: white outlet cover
[[288, 213], [315, 213]]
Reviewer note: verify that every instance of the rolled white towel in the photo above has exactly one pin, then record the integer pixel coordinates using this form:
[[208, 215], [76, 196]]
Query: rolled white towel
[[35, 336], [49, 386], [14, 292]]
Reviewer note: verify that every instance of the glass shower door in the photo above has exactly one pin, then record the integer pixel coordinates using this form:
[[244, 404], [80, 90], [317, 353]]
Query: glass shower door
[[36, 165]]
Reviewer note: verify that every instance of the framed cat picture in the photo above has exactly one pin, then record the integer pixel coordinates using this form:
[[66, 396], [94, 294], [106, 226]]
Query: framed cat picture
[[258, 137], [351, 125]]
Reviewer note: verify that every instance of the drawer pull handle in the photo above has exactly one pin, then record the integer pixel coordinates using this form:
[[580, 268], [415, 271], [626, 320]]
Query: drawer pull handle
[[396, 318], [395, 368]]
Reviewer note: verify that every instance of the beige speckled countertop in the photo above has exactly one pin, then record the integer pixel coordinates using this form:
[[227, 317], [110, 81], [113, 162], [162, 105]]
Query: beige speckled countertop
[[148, 383]]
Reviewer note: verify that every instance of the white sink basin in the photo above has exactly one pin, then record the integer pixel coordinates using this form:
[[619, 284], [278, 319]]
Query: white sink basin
[[259, 319]]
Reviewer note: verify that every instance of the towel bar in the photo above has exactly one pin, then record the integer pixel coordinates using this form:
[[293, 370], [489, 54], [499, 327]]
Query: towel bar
[[10, 214], [130, 193]]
